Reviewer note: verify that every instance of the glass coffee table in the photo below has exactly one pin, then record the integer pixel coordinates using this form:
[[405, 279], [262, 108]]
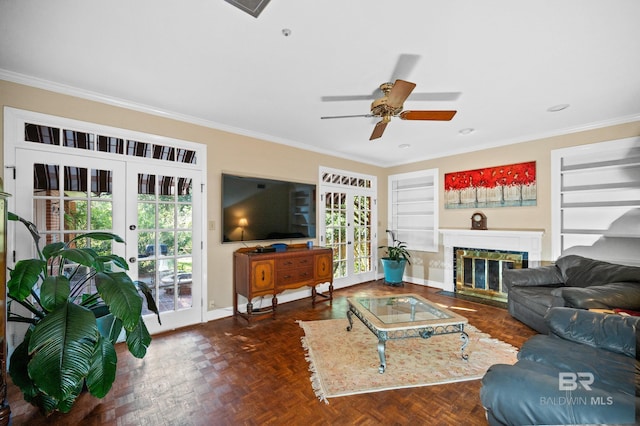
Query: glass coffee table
[[403, 316]]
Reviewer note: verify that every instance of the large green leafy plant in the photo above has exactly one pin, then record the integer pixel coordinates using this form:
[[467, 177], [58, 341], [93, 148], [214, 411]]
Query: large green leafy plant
[[398, 251], [67, 289]]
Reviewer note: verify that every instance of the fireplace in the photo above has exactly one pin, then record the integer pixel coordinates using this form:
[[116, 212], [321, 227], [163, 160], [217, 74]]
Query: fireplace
[[478, 272], [489, 252]]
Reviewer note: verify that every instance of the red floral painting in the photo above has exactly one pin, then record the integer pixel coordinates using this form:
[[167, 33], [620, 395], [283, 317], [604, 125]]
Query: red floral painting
[[502, 186]]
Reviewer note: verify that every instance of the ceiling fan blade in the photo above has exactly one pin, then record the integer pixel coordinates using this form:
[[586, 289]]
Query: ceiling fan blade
[[427, 115], [399, 92], [379, 129], [405, 65], [422, 96], [339, 98], [345, 116], [434, 96]]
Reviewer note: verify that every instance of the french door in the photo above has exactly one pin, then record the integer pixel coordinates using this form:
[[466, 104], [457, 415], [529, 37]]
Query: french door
[[154, 208], [348, 226], [166, 245]]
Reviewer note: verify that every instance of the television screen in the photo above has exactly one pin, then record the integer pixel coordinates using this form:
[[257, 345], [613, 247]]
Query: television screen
[[256, 209]]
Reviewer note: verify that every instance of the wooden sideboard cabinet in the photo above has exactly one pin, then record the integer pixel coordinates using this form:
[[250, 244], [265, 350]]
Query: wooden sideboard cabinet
[[268, 274]]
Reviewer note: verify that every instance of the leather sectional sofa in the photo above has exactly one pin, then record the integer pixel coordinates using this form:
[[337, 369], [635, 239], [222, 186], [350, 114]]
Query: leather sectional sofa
[[584, 372], [573, 281]]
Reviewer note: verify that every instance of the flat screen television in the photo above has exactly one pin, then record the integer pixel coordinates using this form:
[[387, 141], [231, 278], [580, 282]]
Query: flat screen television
[[258, 209]]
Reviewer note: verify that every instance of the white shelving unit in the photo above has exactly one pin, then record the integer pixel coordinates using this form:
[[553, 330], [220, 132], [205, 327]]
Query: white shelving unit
[[596, 194], [413, 209]]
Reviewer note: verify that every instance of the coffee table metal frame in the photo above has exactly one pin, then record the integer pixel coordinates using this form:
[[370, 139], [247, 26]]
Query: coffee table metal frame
[[425, 328]]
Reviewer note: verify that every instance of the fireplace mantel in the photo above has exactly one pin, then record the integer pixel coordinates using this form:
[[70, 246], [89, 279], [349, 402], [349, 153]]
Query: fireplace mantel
[[529, 241]]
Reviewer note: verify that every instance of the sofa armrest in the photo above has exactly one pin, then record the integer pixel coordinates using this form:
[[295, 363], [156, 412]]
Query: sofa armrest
[[625, 295], [541, 276], [615, 333]]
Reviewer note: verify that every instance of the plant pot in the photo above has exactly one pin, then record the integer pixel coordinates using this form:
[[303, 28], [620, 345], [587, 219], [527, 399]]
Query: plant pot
[[393, 270], [104, 320]]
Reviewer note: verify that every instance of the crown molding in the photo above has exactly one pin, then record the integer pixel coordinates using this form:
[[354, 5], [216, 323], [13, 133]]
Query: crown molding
[[126, 104]]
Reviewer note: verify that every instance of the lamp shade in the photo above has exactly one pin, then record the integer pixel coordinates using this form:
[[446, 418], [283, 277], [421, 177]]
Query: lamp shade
[[243, 222]]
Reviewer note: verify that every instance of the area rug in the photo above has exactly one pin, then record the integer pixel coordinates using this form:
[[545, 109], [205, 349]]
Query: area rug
[[346, 362]]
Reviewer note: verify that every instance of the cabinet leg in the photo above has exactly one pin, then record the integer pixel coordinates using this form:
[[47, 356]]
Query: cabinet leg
[[249, 308], [314, 293], [274, 304]]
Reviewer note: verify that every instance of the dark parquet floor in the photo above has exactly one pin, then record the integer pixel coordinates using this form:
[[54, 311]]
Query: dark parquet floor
[[227, 373]]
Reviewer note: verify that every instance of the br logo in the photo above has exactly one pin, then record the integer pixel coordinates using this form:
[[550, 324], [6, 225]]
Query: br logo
[[570, 381]]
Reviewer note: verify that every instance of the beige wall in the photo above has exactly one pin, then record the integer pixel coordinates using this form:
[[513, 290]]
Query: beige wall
[[244, 155], [225, 152], [429, 266]]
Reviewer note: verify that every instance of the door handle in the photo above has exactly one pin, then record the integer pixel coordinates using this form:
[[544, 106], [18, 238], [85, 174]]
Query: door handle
[[132, 260], [132, 227]]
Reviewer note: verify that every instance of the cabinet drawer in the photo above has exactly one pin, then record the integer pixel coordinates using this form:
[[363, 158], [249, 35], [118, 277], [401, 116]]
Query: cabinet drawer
[[294, 262], [294, 276]]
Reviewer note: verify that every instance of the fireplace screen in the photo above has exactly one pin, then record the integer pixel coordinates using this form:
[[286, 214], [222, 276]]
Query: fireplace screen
[[479, 271]]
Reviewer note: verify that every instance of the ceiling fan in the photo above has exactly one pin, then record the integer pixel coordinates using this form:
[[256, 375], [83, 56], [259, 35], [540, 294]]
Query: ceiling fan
[[391, 104], [389, 99]]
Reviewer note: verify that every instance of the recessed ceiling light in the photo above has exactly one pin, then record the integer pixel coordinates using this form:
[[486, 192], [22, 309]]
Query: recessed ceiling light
[[467, 131], [286, 32], [404, 146], [558, 107]]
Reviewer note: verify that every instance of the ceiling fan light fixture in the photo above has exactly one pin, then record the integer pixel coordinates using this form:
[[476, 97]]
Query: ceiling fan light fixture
[[557, 108], [466, 131]]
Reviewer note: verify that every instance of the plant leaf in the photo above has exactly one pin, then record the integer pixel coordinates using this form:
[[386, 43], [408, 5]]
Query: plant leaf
[[66, 404], [103, 368], [81, 256], [117, 260], [151, 302], [18, 369], [54, 292], [61, 347], [138, 340], [120, 294], [46, 403], [101, 236], [24, 276], [51, 250]]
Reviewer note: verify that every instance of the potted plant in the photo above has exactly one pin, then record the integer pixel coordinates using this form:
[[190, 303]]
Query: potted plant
[[78, 303], [394, 262]]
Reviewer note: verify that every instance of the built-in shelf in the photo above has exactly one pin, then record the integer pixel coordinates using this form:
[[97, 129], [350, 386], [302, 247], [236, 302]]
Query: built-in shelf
[[413, 209], [593, 188]]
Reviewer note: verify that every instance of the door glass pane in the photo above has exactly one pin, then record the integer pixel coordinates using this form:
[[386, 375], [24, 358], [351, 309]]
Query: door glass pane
[[78, 140], [336, 230], [164, 239], [362, 234], [64, 209], [41, 134]]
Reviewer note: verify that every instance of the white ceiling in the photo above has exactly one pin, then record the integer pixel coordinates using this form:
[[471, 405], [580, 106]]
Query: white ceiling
[[207, 62]]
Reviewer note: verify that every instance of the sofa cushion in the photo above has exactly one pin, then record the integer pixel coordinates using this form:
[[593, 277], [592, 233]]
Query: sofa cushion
[[528, 393], [625, 295], [585, 272], [615, 333], [612, 371], [537, 299], [541, 276]]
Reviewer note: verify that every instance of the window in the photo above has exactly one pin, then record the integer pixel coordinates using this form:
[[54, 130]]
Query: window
[[413, 209]]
